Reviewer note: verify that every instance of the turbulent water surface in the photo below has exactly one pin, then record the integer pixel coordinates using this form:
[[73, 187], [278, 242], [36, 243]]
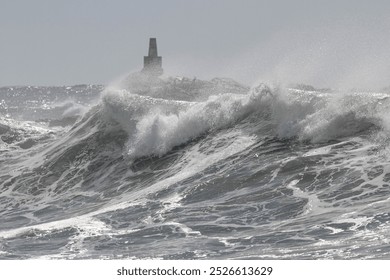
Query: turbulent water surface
[[177, 168]]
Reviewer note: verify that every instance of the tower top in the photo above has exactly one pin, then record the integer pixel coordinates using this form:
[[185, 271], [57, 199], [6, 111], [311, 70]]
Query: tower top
[[153, 47], [153, 62]]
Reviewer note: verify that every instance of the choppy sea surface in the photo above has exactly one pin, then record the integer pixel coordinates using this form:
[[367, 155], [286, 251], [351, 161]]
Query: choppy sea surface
[[179, 168]]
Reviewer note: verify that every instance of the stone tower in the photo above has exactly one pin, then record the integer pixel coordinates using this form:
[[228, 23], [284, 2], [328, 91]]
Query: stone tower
[[153, 62]]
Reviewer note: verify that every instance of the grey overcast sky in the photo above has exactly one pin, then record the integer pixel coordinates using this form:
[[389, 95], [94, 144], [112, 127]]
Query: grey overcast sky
[[325, 43]]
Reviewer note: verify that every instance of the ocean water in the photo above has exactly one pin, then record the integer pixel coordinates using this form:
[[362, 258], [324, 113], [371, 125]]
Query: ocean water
[[179, 168]]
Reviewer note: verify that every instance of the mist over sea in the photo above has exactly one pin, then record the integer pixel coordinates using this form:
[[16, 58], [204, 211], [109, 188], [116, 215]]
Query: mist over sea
[[180, 168]]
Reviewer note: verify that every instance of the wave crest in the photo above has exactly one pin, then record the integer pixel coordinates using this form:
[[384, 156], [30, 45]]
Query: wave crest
[[157, 125]]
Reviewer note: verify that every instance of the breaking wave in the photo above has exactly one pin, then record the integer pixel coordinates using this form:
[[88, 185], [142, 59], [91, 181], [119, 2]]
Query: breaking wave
[[194, 169]]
